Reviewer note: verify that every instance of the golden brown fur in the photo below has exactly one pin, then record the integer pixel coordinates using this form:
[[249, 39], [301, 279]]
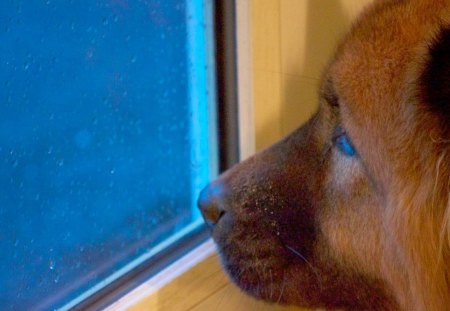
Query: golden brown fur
[[302, 223]]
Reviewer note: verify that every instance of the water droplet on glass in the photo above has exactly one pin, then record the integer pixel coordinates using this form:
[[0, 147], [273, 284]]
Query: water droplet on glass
[[83, 139]]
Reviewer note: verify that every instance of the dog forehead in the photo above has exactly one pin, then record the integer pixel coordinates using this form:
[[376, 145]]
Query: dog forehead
[[376, 75], [373, 66]]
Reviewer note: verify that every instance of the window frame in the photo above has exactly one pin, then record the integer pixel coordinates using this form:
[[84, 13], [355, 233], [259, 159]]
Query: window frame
[[110, 293]]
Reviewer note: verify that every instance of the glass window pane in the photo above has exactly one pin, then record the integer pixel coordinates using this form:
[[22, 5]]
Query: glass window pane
[[107, 134]]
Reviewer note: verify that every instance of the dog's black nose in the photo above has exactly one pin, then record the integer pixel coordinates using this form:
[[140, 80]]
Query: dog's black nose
[[211, 203]]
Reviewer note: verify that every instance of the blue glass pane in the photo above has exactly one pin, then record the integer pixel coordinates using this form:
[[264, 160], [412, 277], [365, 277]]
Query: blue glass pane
[[105, 139]]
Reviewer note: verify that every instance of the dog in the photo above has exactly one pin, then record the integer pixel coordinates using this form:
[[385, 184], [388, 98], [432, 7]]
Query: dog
[[352, 210]]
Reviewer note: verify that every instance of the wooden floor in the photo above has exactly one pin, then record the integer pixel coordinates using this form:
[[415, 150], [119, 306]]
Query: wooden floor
[[204, 288]]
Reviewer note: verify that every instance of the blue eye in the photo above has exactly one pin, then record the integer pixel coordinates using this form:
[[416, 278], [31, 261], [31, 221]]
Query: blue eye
[[343, 143]]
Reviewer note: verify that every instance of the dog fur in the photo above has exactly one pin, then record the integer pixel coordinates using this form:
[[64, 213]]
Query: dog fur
[[303, 223]]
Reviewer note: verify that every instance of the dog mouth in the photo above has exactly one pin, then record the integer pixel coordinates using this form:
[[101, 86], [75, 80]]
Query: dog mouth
[[267, 288], [258, 277], [264, 269], [264, 244]]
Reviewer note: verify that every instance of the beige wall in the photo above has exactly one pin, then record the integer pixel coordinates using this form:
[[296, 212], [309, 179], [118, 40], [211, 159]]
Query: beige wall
[[291, 42]]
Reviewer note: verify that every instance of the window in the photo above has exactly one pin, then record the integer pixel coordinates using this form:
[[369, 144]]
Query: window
[[107, 134]]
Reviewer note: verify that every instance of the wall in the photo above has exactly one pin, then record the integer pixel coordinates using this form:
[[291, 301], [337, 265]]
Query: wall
[[292, 41]]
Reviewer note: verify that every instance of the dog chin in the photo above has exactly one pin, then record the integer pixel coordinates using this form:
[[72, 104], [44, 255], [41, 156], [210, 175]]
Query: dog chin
[[260, 267], [261, 278]]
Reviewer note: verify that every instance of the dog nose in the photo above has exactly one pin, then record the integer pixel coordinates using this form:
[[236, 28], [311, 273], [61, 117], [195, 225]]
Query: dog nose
[[211, 203]]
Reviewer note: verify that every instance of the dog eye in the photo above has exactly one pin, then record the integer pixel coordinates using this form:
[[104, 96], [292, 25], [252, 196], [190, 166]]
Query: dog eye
[[343, 143]]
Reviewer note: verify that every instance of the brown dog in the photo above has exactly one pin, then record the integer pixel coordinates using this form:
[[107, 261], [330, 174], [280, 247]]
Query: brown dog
[[352, 210]]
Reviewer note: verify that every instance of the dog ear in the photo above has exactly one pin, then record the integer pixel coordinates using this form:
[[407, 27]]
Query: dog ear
[[435, 79]]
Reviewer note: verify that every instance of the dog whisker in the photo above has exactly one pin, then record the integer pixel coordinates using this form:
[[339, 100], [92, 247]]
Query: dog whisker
[[271, 284], [283, 285], [307, 262]]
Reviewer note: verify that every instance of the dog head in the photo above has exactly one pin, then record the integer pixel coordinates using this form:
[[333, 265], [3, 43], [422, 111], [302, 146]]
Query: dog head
[[352, 209]]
